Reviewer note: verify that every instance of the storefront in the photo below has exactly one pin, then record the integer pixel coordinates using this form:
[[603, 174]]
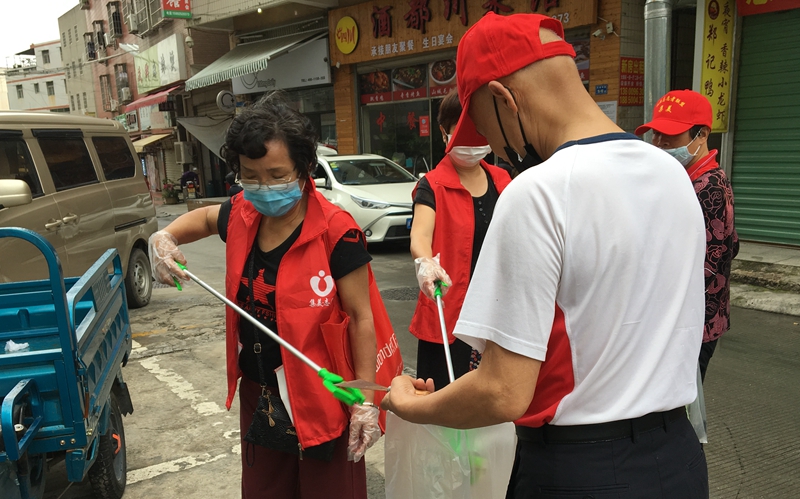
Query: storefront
[[151, 119], [403, 62], [766, 127], [291, 58]]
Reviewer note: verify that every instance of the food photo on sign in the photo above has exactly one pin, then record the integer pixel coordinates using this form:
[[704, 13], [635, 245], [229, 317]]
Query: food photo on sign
[[410, 82], [375, 87], [442, 77]]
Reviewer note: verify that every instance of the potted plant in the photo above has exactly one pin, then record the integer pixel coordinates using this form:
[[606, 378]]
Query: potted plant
[[169, 191]]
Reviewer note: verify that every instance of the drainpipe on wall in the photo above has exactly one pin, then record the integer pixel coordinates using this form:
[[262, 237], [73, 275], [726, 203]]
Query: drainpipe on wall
[[657, 47]]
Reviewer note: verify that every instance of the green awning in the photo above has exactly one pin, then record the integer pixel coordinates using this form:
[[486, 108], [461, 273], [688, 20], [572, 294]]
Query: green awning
[[246, 59]]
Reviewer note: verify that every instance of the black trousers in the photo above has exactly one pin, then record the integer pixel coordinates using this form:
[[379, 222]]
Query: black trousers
[[665, 463], [706, 351], [431, 362]]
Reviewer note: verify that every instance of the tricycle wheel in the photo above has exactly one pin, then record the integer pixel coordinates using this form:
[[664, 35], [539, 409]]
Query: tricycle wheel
[[38, 473], [139, 281], [109, 472]]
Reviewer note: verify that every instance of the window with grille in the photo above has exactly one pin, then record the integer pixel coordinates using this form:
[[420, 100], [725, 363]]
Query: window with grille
[[105, 91], [46, 56], [114, 20], [142, 17], [51, 88], [80, 64], [91, 48], [69, 33], [156, 16], [85, 102], [66, 88], [20, 95], [121, 74], [99, 34], [36, 88], [79, 103], [72, 102]]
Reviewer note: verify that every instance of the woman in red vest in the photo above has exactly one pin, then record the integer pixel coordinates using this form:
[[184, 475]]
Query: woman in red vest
[[453, 205], [300, 266]]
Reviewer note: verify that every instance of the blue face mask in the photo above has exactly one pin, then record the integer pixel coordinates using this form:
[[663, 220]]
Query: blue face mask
[[272, 202], [682, 153]]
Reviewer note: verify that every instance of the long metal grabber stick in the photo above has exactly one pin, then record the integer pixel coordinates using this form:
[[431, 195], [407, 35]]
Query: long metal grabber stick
[[438, 294], [349, 396]]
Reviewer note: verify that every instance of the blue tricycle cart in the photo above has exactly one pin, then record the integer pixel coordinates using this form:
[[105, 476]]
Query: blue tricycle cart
[[63, 396]]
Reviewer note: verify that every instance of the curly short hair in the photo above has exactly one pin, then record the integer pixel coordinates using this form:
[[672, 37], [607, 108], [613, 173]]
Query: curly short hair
[[271, 118], [449, 110]]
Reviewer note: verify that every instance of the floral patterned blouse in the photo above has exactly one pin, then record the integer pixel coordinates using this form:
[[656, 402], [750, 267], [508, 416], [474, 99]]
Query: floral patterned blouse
[[722, 243]]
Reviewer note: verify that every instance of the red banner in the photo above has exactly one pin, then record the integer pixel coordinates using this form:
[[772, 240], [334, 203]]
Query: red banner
[[750, 7], [424, 126]]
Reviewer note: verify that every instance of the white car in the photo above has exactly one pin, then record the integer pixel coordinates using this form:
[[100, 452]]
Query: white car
[[376, 191]]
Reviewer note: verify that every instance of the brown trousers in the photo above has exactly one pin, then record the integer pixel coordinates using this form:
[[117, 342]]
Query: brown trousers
[[276, 475]]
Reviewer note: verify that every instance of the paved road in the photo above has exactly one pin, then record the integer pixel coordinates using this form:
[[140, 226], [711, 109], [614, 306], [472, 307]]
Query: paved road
[[183, 443]]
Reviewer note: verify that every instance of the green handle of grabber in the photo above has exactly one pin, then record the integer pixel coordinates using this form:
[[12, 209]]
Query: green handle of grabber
[[438, 291], [349, 396], [175, 279]]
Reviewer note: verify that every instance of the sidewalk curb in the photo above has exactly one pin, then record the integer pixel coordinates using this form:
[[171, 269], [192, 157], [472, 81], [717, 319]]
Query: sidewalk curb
[[767, 275], [764, 299]]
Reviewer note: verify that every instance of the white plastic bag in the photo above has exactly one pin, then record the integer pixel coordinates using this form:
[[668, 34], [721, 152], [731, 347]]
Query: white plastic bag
[[697, 411], [434, 462]]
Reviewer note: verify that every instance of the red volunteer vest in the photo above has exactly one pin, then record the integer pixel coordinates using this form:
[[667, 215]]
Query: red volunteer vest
[[307, 304], [452, 240]]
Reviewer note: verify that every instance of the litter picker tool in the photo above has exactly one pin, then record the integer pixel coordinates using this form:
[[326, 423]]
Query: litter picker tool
[[349, 396], [438, 294]]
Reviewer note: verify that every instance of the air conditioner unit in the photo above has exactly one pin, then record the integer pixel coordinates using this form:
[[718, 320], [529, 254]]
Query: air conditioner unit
[[108, 39], [85, 5], [114, 104], [183, 152], [125, 94], [133, 24]]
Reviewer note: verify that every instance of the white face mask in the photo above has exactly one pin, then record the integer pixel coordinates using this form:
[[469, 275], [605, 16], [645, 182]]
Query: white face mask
[[465, 156]]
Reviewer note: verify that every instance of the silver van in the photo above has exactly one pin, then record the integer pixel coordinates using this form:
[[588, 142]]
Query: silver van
[[78, 182]]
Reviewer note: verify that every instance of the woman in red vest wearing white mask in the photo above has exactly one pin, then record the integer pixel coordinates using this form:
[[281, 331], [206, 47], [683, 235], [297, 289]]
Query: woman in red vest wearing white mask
[[298, 264], [453, 205]]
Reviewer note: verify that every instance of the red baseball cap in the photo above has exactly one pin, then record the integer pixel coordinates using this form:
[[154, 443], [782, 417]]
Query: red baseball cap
[[494, 47], [677, 112]]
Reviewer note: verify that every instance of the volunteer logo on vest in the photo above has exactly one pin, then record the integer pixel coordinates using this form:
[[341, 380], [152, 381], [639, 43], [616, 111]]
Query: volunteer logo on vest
[[322, 293]]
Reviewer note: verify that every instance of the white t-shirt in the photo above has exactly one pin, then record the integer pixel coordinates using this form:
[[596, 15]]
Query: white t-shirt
[[593, 264]]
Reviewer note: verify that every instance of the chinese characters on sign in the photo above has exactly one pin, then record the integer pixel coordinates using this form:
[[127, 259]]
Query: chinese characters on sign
[[716, 66], [456, 7], [403, 26], [631, 81], [418, 15], [409, 46], [381, 22], [181, 9]]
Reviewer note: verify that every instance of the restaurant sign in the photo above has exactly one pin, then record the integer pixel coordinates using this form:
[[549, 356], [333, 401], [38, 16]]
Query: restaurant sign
[[393, 28]]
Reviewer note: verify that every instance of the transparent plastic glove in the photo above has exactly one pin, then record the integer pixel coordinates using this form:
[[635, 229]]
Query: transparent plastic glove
[[163, 253], [364, 430], [428, 272]]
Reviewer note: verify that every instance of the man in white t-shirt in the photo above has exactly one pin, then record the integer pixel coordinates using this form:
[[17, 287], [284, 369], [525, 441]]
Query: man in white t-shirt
[[587, 299]]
